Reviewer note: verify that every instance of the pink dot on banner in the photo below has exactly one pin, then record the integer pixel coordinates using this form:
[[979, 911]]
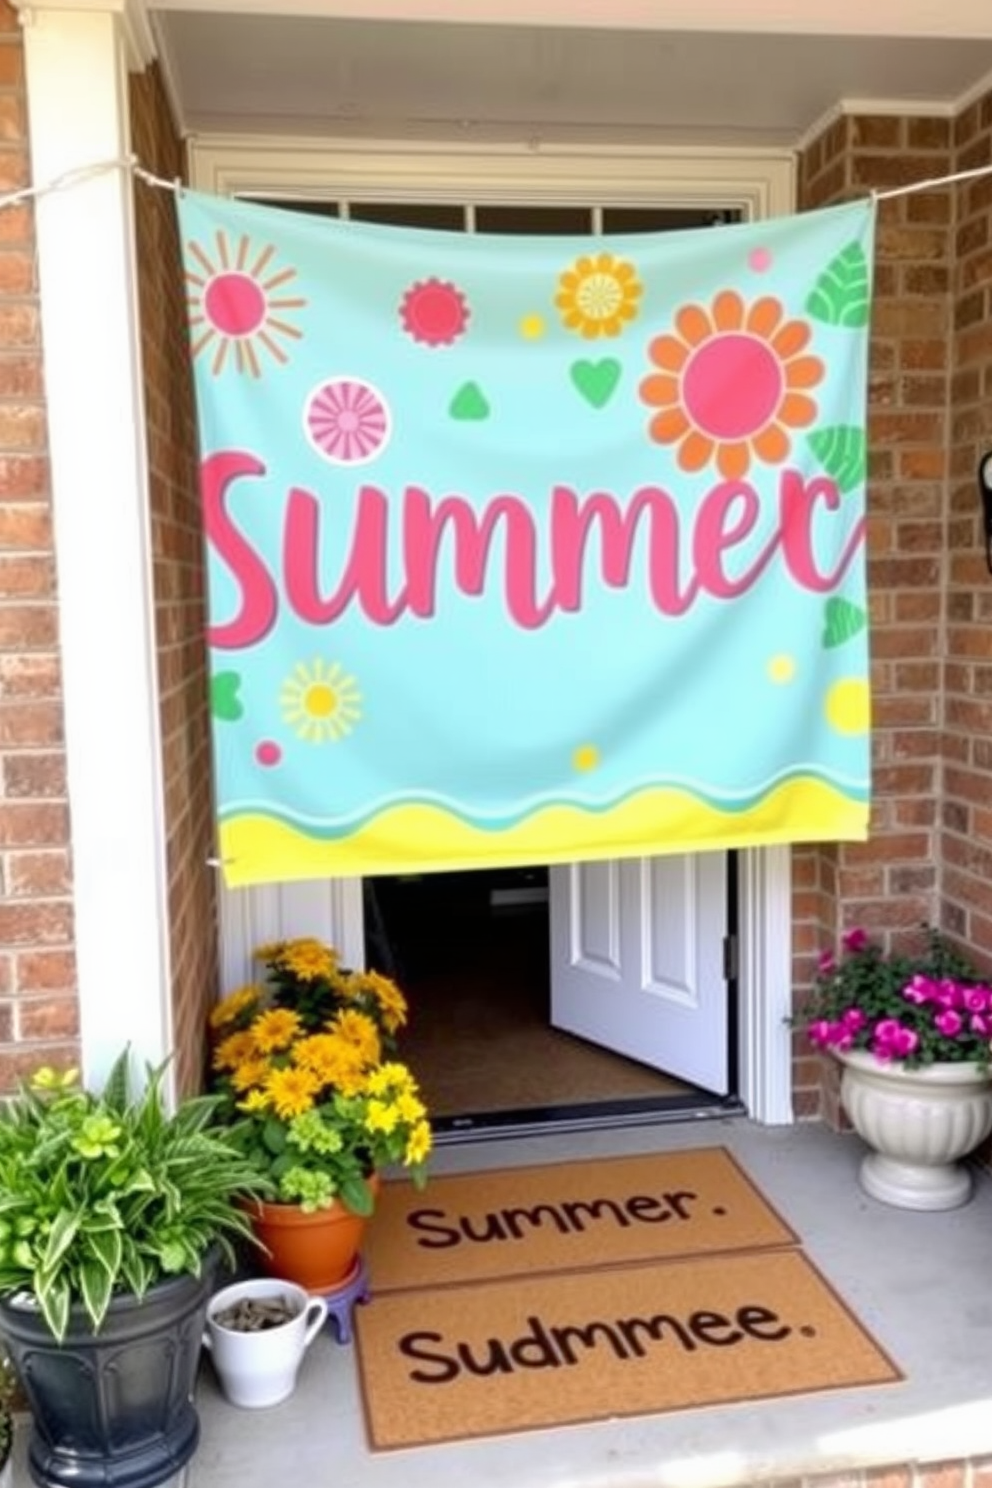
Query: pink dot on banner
[[347, 421], [234, 304], [760, 259], [268, 753]]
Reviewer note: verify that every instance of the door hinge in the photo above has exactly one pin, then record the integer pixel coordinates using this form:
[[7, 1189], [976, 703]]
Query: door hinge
[[730, 958]]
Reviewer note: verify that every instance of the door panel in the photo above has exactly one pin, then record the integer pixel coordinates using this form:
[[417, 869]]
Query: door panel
[[637, 961]]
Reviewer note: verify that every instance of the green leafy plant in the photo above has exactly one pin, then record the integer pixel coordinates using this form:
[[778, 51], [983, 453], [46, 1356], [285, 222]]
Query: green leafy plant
[[102, 1194], [303, 1063], [910, 1009]]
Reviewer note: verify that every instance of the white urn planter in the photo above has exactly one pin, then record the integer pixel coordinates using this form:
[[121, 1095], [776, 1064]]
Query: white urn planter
[[919, 1123]]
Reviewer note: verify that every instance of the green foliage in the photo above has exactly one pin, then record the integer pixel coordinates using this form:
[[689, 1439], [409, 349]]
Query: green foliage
[[108, 1193]]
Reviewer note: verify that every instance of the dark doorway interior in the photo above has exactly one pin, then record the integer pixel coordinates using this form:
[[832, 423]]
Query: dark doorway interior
[[470, 951]]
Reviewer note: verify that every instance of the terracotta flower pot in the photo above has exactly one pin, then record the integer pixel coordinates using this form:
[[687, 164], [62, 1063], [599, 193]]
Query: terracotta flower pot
[[318, 1250]]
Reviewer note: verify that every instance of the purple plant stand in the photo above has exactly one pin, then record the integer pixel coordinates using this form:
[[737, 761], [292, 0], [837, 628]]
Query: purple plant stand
[[342, 1299]]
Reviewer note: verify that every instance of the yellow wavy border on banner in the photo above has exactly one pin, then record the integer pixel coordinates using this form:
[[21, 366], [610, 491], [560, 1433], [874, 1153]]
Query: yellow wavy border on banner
[[418, 838]]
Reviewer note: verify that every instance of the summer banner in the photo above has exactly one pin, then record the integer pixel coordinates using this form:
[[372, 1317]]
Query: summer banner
[[526, 550]]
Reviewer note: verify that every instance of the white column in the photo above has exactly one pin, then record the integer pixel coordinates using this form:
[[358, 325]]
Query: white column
[[78, 115]]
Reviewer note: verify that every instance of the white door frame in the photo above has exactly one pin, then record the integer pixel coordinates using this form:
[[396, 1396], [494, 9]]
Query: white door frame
[[760, 184]]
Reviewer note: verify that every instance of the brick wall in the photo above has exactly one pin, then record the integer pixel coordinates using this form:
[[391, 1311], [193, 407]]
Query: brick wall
[[929, 856], [38, 1006], [891, 884], [178, 577], [965, 841]]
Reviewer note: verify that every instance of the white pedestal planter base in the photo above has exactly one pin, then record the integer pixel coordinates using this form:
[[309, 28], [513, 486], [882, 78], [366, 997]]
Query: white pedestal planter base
[[910, 1186], [919, 1124]]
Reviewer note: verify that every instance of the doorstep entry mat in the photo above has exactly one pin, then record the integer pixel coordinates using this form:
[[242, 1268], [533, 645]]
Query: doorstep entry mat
[[574, 1215], [503, 1356]]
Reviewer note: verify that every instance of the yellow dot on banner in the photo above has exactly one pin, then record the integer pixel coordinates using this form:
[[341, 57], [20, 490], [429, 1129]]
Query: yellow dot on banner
[[586, 757], [782, 668], [532, 327], [848, 706]]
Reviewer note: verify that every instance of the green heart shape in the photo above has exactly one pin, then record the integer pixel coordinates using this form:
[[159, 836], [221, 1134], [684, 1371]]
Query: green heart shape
[[596, 381], [841, 621], [224, 701], [469, 402]]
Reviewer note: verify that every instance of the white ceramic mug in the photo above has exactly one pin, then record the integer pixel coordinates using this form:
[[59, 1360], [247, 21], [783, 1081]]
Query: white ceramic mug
[[257, 1369]]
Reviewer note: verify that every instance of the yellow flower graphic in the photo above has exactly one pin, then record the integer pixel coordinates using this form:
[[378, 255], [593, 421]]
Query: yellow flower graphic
[[235, 1003], [275, 1029], [598, 295], [321, 702], [731, 383], [291, 1091]]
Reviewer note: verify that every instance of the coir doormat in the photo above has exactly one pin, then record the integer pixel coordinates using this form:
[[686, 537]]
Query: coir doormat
[[573, 1215], [509, 1355]]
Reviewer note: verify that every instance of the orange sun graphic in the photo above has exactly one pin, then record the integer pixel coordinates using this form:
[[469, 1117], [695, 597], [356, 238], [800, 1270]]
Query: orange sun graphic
[[731, 384], [233, 304]]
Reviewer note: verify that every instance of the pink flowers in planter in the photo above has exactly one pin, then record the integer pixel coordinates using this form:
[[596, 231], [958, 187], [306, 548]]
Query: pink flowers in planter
[[911, 1009]]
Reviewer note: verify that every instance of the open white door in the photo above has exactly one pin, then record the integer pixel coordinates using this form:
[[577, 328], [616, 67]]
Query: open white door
[[637, 961]]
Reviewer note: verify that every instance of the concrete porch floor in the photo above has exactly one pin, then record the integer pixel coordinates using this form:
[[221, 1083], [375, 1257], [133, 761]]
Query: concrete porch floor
[[919, 1282]]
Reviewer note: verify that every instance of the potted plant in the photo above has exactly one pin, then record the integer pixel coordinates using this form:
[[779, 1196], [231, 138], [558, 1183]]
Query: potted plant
[[8, 1391], [911, 1032], [317, 1103], [114, 1218]]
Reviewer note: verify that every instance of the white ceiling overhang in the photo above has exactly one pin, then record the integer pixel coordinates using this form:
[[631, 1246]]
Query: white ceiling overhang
[[712, 72]]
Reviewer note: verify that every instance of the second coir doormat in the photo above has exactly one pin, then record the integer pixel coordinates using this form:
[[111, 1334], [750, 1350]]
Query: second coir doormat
[[574, 1215], [554, 1350]]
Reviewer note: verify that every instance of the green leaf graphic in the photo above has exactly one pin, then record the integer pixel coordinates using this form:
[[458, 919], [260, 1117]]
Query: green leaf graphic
[[842, 295], [842, 620], [224, 701], [842, 450]]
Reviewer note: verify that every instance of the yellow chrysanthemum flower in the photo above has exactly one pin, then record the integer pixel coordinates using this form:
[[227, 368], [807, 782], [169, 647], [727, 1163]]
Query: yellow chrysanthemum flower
[[411, 1109], [235, 1049], [333, 1060], [419, 1143], [250, 1072], [254, 1102], [598, 295], [291, 1091], [391, 1079], [360, 1031], [275, 1029], [307, 960], [382, 1116], [269, 951], [233, 1005], [389, 999]]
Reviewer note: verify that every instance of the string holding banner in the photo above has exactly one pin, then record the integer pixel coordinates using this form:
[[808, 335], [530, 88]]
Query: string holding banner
[[132, 165]]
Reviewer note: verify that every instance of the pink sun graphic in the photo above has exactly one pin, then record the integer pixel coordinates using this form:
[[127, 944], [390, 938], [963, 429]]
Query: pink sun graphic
[[234, 304], [347, 421], [434, 312]]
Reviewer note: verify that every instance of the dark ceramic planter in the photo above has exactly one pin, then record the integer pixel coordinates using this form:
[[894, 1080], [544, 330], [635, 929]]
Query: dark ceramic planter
[[113, 1409]]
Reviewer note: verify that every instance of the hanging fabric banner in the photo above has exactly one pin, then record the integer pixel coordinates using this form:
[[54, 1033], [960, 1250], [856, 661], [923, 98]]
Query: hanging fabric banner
[[528, 550]]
